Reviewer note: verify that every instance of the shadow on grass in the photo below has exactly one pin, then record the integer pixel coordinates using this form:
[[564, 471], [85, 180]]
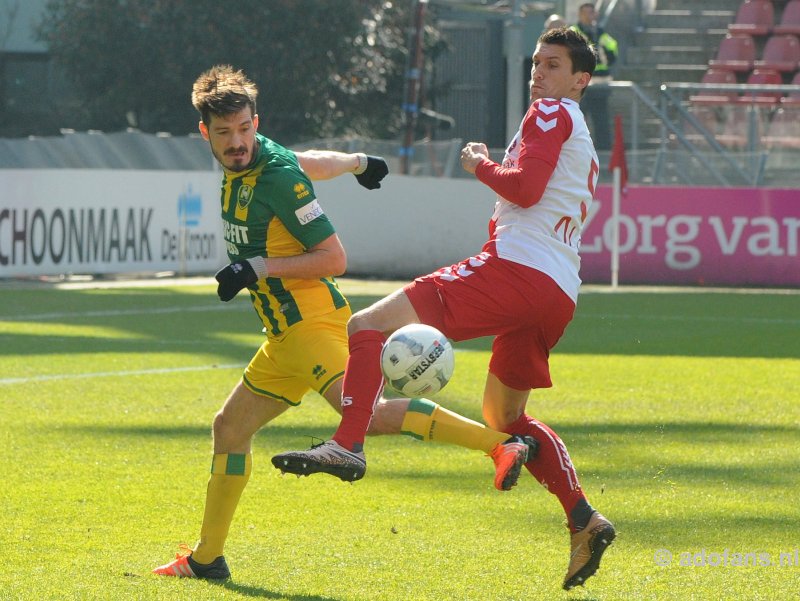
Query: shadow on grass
[[702, 431], [146, 320], [657, 465], [701, 530], [713, 325], [694, 325], [264, 593], [274, 432], [694, 431]]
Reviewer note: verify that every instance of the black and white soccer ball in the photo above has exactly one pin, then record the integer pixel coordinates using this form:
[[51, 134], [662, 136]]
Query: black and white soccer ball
[[417, 360]]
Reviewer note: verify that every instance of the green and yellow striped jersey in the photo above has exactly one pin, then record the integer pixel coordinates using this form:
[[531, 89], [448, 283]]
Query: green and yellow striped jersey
[[271, 210]]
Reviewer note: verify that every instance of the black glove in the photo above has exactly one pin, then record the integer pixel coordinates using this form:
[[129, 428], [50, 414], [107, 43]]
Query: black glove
[[376, 170], [233, 278]]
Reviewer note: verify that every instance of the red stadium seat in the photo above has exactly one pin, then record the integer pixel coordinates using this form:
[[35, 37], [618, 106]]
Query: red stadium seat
[[790, 20], [736, 127], [781, 53], [715, 96], [736, 53], [783, 130], [754, 17], [707, 117], [763, 76], [794, 97]]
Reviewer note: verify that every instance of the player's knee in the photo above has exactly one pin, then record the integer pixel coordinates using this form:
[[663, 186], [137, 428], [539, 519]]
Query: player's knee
[[219, 425], [388, 417], [378, 424], [500, 418], [357, 322], [226, 431]]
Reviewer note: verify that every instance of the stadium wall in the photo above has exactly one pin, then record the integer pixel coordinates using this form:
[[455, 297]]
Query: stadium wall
[[72, 221]]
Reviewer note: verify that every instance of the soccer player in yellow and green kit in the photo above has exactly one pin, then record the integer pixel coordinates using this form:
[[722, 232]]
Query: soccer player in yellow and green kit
[[284, 250]]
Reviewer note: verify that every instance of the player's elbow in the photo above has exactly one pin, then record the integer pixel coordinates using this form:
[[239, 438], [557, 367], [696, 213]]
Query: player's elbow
[[339, 262], [528, 196], [314, 165], [525, 202]]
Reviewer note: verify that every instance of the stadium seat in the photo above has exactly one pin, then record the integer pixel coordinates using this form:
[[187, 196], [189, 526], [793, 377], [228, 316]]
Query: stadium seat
[[793, 98], [763, 97], [713, 75], [782, 53], [754, 17], [783, 130], [790, 19], [707, 117], [736, 52], [736, 127]]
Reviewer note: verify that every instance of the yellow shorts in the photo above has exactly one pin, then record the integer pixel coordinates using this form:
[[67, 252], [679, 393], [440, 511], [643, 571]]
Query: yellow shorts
[[310, 355]]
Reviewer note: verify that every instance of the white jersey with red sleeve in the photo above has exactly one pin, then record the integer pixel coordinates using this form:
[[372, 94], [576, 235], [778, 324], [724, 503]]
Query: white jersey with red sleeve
[[544, 189]]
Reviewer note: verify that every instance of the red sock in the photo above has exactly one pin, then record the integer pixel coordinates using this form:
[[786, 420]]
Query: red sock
[[553, 468], [361, 389]]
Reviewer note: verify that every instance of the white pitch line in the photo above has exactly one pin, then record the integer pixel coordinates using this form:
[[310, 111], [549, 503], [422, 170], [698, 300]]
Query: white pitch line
[[117, 374], [709, 318], [114, 312], [204, 308]]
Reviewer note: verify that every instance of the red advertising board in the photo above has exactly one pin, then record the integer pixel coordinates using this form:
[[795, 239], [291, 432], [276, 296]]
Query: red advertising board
[[707, 236]]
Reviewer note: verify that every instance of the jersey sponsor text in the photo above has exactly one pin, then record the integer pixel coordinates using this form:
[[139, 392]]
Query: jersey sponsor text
[[308, 213]]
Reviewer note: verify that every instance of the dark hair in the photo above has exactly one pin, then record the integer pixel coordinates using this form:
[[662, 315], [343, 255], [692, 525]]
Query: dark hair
[[586, 5], [221, 91], [581, 52]]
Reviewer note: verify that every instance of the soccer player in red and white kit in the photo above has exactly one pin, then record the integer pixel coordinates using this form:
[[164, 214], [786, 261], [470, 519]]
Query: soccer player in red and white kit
[[522, 288]]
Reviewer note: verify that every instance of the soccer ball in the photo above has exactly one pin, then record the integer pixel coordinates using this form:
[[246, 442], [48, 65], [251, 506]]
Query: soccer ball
[[417, 360]]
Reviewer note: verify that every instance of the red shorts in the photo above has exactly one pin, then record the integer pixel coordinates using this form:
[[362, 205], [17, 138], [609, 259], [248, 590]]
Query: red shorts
[[488, 296]]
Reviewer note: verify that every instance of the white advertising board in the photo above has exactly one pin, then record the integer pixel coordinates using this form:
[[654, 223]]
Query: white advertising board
[[67, 221]]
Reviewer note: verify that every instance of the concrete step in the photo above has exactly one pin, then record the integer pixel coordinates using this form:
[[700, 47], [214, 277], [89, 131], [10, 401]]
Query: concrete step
[[655, 75], [648, 135], [700, 19], [675, 44], [709, 5], [651, 55], [669, 36]]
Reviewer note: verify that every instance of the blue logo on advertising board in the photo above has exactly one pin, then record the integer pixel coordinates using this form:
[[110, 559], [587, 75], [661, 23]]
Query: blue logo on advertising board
[[190, 208]]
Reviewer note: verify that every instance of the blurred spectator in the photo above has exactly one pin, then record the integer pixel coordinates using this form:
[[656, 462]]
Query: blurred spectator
[[554, 21], [595, 101]]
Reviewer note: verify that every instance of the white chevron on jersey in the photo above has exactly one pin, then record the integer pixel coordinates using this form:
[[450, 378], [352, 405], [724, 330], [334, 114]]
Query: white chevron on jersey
[[546, 236], [548, 109], [546, 125]]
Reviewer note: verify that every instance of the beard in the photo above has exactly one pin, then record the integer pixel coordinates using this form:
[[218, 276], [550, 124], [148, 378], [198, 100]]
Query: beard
[[234, 163]]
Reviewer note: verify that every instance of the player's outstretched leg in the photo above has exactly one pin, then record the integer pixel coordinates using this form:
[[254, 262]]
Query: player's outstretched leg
[[183, 566], [423, 419], [509, 457], [586, 549], [328, 457]]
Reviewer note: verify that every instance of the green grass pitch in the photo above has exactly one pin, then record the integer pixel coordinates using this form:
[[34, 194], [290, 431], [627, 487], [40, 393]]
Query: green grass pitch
[[681, 411]]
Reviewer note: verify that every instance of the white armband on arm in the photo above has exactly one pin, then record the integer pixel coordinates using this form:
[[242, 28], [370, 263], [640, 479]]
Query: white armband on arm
[[362, 164], [259, 265]]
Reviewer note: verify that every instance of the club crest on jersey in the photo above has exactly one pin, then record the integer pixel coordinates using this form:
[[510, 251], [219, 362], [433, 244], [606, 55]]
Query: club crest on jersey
[[244, 196], [301, 191]]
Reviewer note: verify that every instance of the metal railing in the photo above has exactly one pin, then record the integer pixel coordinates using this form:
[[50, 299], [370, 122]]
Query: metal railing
[[666, 144], [729, 160]]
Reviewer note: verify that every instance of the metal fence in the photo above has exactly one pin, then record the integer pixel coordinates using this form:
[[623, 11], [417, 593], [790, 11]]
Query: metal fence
[[672, 140]]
